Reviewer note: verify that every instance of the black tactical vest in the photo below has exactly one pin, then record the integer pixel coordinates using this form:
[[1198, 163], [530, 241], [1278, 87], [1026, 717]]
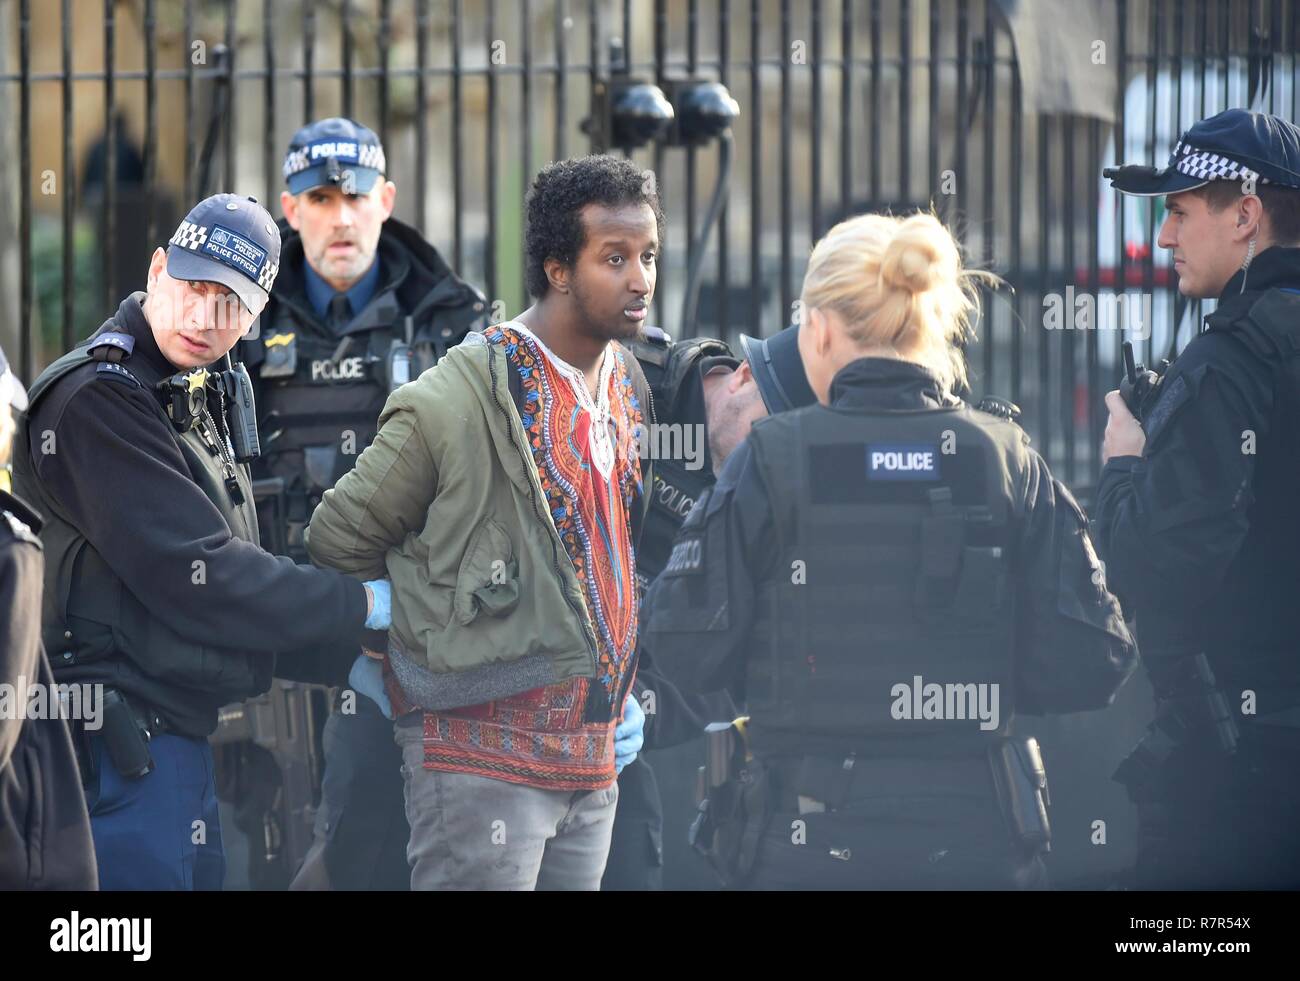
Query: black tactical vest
[[319, 400], [677, 483], [94, 628], [891, 612]]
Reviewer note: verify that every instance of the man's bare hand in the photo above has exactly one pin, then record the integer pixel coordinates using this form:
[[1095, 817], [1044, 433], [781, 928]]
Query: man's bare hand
[[1124, 435]]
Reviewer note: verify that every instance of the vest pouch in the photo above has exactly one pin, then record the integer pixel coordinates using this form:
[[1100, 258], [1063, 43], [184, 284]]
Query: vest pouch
[[981, 586], [280, 355], [488, 579]]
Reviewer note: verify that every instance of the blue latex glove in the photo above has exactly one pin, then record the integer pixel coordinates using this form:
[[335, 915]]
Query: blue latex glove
[[629, 735], [381, 613], [367, 678]]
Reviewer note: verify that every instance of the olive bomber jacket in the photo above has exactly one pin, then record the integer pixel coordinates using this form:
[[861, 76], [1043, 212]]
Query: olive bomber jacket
[[446, 502]]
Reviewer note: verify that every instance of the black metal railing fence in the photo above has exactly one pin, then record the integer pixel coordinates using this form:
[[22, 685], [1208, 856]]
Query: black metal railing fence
[[139, 108]]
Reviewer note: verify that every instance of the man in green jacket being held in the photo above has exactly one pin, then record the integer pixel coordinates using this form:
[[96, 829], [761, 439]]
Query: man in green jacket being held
[[503, 496]]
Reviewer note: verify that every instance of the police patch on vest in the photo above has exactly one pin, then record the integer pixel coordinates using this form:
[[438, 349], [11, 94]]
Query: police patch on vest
[[349, 369], [280, 358], [902, 461], [686, 559]]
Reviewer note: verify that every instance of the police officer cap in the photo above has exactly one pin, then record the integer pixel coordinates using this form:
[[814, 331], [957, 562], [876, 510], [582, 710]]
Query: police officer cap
[[778, 370], [1235, 145], [326, 151], [11, 389], [231, 240]]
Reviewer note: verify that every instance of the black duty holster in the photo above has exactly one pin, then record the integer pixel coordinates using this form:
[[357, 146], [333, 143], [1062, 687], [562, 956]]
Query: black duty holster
[[734, 798], [1189, 708]]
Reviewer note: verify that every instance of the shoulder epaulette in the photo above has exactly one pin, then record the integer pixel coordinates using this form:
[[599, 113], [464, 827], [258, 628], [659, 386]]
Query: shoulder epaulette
[[111, 346], [1002, 408], [117, 372]]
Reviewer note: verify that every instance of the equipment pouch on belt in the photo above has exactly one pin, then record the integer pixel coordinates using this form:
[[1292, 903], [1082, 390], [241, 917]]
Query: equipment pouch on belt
[[125, 739], [1020, 780]]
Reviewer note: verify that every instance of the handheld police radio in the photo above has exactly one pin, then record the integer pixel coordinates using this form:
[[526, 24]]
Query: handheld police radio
[[1139, 385], [237, 386], [399, 358]]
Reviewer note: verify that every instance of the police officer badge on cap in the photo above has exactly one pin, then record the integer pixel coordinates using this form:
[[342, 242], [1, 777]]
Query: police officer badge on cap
[[1235, 145], [231, 240], [334, 151]]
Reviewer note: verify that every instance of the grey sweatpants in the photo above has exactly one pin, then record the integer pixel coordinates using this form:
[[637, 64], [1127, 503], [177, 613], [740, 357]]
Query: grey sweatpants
[[472, 832]]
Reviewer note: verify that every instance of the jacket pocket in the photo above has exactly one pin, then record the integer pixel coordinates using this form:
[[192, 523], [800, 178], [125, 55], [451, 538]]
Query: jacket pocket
[[488, 578]]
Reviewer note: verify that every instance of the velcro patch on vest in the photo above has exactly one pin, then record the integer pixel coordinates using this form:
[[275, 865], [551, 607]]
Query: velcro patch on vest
[[903, 461], [841, 473]]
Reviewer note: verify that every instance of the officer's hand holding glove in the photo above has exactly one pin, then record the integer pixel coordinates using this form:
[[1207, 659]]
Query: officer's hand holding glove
[[629, 735], [367, 677], [379, 604]]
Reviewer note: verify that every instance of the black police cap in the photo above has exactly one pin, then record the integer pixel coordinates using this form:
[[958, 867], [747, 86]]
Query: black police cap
[[1235, 145], [778, 369]]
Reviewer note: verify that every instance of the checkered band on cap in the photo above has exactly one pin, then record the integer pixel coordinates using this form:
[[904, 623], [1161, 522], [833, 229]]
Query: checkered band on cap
[[190, 236], [266, 277], [295, 162], [1207, 165], [372, 155]]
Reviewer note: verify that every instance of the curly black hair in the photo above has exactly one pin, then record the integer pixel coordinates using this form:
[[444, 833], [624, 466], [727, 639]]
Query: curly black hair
[[560, 191]]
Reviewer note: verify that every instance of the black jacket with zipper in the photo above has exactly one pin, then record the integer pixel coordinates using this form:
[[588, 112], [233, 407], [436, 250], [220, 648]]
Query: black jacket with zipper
[[155, 583]]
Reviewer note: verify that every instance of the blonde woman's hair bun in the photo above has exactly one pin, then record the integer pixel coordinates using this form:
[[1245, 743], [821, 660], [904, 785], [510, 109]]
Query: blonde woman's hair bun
[[920, 256], [898, 283]]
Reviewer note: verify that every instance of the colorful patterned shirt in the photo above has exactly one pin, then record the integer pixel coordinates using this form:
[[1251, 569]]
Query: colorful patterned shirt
[[561, 736]]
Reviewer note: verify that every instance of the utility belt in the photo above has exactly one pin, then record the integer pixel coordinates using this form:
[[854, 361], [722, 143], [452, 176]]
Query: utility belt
[[126, 732], [1190, 709], [737, 793]]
